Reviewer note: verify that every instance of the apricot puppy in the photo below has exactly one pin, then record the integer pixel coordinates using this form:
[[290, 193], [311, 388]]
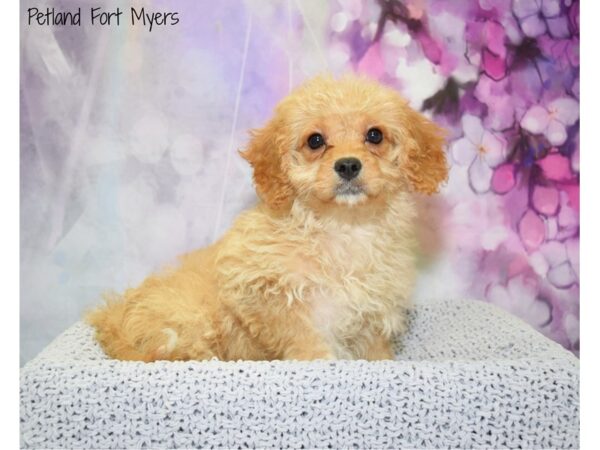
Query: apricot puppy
[[323, 266]]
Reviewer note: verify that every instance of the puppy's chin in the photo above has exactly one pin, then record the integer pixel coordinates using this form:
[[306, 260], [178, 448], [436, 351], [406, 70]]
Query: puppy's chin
[[350, 199], [350, 194]]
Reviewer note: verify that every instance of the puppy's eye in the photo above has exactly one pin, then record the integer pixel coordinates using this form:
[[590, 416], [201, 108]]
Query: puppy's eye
[[374, 136], [316, 141]]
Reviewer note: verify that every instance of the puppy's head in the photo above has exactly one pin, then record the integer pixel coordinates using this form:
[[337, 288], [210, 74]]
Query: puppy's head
[[348, 142]]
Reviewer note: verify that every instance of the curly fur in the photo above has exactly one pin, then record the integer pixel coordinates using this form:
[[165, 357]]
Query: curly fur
[[308, 273]]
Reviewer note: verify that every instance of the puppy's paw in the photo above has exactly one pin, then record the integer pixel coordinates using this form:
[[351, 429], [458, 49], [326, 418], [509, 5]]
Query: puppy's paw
[[169, 346]]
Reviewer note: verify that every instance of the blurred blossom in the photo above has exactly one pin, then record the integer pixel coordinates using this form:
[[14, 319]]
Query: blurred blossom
[[187, 154], [149, 137], [571, 326], [520, 296]]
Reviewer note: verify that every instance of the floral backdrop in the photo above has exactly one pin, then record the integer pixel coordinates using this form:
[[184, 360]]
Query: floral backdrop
[[129, 139]]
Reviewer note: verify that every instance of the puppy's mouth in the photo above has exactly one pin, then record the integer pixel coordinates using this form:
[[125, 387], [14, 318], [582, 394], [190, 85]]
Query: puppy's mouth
[[350, 192], [349, 188]]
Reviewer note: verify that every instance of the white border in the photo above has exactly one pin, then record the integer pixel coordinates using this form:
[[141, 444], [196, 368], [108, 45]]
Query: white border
[[590, 224], [9, 234]]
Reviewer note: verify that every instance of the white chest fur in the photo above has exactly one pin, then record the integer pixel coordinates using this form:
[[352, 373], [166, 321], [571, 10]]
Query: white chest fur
[[361, 276]]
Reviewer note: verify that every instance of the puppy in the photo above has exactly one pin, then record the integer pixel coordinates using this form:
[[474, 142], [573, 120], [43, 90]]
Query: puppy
[[323, 266]]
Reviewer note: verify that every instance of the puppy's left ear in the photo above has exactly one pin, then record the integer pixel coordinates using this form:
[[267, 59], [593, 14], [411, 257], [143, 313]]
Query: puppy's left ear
[[266, 154], [425, 159]]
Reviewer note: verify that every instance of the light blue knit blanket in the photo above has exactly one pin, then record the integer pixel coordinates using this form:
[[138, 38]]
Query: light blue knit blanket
[[466, 376]]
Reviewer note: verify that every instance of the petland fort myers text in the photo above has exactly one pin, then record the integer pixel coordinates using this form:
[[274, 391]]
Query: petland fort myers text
[[100, 16]]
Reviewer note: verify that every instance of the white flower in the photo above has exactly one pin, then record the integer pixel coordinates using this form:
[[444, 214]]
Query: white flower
[[481, 149], [552, 120]]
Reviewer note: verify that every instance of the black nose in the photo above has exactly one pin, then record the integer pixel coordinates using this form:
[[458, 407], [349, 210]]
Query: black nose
[[347, 168]]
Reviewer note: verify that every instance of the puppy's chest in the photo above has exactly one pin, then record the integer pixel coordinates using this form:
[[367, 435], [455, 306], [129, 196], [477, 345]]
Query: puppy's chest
[[356, 284], [357, 260]]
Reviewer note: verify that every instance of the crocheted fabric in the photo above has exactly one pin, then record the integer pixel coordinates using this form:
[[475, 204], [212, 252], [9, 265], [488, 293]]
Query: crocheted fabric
[[467, 375]]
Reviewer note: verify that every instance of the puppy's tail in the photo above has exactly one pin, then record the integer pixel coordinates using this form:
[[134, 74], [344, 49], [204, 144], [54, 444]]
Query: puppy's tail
[[108, 320]]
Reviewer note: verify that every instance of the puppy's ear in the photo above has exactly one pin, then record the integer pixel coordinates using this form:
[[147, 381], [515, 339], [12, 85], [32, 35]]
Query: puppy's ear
[[425, 158], [266, 155]]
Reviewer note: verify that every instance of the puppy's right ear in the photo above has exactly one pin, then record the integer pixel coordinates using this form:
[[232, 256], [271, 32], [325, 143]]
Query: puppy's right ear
[[266, 154]]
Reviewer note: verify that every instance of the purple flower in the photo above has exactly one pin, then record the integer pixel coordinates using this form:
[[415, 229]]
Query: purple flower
[[481, 150], [558, 262], [564, 52], [536, 16]]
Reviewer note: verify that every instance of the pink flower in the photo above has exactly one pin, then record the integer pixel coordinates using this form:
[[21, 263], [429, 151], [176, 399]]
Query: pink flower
[[504, 178], [556, 167], [501, 105], [487, 47], [532, 230], [493, 56], [545, 200], [481, 149], [572, 195], [431, 49], [552, 120]]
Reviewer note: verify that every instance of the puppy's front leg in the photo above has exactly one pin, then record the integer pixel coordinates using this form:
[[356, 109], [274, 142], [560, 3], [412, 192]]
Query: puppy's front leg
[[304, 343], [379, 348], [297, 337], [276, 329]]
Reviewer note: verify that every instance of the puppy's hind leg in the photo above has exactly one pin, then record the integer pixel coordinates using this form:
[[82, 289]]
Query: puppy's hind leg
[[108, 322], [167, 317]]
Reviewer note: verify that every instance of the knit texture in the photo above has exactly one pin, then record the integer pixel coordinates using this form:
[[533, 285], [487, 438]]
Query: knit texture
[[467, 375]]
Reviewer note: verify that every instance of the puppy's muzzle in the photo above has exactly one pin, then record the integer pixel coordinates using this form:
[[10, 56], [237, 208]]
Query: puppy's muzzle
[[347, 168]]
